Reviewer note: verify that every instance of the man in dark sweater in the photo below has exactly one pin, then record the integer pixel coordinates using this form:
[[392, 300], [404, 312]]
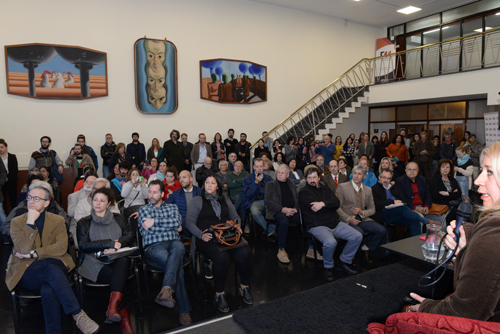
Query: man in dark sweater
[[187, 147], [137, 151], [319, 209], [242, 150], [230, 142], [392, 206], [173, 152], [448, 147], [107, 151]]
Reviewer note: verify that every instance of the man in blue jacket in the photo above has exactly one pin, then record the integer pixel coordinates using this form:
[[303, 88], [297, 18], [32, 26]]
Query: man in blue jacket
[[137, 151], [254, 189], [326, 148]]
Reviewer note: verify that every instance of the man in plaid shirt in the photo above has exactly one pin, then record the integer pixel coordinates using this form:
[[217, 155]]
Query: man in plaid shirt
[[160, 224]]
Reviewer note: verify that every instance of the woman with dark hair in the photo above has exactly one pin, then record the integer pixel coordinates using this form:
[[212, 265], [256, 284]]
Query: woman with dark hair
[[398, 153], [381, 148], [413, 141], [151, 168], [465, 140], [155, 150], [261, 149], [355, 156], [105, 231], [291, 150], [344, 168], [444, 187], [279, 158], [277, 147], [296, 175], [348, 151], [171, 182], [119, 156], [338, 147], [113, 172], [135, 190], [218, 150], [212, 208], [302, 155], [46, 173]]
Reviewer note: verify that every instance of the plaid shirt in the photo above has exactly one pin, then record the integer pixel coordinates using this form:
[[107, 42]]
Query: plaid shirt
[[167, 220]]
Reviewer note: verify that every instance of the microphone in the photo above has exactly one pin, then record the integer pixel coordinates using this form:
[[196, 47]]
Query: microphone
[[463, 213]]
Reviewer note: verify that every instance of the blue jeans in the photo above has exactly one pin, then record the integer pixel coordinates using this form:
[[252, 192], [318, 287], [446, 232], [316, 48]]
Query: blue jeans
[[168, 256], [327, 237], [283, 223], [49, 276], [238, 205], [463, 183], [105, 171], [257, 209], [376, 232], [403, 215]]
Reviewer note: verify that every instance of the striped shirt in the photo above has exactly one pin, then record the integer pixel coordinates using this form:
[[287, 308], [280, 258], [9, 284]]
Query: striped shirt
[[166, 220]]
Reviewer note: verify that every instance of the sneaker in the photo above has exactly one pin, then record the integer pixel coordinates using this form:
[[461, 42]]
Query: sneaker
[[185, 318], [247, 229], [165, 298], [207, 272], [283, 256], [85, 324], [310, 254]]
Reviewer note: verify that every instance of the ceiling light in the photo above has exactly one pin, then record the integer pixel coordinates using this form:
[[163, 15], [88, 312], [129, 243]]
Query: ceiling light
[[481, 29], [409, 10], [428, 32], [497, 13]]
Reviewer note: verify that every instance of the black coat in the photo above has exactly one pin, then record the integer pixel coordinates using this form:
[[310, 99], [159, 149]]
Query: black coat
[[328, 215], [107, 151], [437, 185], [87, 246], [381, 201]]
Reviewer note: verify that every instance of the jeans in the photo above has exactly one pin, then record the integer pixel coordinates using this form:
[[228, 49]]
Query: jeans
[[105, 171], [257, 209], [283, 223], [403, 215], [463, 183], [327, 237], [376, 232], [238, 205], [49, 276], [168, 256]]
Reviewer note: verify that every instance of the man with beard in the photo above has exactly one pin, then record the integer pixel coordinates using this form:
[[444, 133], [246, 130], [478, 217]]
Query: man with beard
[[242, 150], [230, 142], [86, 149], [77, 159], [137, 151], [160, 224], [173, 152], [107, 151], [187, 147], [118, 182], [43, 157]]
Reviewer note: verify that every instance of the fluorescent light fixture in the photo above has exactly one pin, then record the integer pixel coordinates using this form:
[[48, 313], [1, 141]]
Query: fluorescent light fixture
[[428, 32], [409, 10], [481, 29], [497, 13]]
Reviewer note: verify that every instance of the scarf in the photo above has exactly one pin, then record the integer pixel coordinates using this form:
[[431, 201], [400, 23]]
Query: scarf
[[106, 220], [215, 204], [462, 161], [160, 176]]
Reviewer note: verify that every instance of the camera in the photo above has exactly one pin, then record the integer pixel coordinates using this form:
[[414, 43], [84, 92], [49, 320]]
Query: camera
[[139, 179]]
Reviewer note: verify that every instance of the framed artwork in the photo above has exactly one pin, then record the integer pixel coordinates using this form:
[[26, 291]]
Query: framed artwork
[[233, 81], [51, 71], [155, 76]]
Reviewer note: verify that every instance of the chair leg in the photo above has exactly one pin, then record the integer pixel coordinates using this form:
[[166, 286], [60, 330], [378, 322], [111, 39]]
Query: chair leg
[[137, 285], [14, 311], [80, 289], [146, 287]]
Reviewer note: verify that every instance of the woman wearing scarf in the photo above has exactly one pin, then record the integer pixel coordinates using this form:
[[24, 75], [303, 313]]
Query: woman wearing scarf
[[160, 174], [212, 208], [106, 231], [463, 170]]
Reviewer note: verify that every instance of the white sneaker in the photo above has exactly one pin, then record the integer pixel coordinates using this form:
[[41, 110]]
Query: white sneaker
[[310, 254], [85, 324]]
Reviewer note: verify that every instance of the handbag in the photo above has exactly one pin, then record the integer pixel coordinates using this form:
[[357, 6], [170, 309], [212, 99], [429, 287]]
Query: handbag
[[438, 209], [226, 233], [395, 160], [55, 170], [122, 252]]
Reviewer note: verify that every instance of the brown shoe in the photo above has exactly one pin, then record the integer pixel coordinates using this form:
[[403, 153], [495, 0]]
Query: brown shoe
[[165, 298], [85, 324], [366, 256], [185, 318]]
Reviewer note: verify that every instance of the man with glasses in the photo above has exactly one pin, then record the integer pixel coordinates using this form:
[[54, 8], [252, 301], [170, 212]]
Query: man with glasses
[[40, 262], [392, 207], [43, 157]]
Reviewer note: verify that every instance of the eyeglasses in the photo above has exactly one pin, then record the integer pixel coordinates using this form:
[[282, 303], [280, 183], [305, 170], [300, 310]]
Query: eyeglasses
[[36, 198]]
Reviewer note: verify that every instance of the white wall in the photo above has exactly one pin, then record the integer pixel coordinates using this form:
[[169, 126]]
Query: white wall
[[303, 53], [356, 123]]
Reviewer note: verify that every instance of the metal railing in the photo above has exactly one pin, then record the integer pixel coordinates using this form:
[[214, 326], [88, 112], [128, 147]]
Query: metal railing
[[473, 52]]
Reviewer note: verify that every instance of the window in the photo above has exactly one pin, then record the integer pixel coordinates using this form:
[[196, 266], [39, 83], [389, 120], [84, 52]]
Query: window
[[382, 114], [410, 113], [478, 108], [448, 110]]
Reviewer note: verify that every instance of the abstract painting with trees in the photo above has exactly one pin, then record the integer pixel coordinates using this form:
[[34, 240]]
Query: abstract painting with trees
[[232, 81], [155, 76]]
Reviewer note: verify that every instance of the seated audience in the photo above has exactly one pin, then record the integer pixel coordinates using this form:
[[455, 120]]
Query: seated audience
[[320, 163], [44, 268], [261, 150], [76, 197], [268, 168], [201, 150], [46, 173], [118, 182], [319, 207], [476, 285], [160, 174], [344, 167], [79, 181], [223, 165], [444, 187], [105, 231], [334, 178], [385, 163], [279, 158], [77, 159], [212, 208], [234, 182], [281, 203], [356, 206], [205, 170], [231, 160], [171, 182], [254, 190], [392, 207], [160, 224], [150, 168], [463, 170], [296, 175], [84, 206], [135, 190], [370, 180]]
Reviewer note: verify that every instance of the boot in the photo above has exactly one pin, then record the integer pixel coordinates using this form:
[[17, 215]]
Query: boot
[[85, 324], [125, 325], [112, 313]]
